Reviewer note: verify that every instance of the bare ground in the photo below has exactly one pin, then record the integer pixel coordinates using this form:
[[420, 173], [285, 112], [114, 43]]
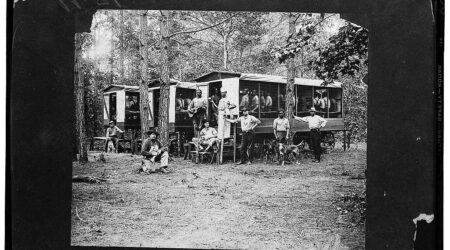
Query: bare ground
[[298, 206]]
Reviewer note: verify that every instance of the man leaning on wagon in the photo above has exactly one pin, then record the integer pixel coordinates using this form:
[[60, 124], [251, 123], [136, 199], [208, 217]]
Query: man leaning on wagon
[[315, 123], [248, 124]]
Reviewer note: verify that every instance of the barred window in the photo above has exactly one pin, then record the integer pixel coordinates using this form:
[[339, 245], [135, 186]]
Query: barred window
[[335, 96], [269, 100], [249, 97], [304, 100]]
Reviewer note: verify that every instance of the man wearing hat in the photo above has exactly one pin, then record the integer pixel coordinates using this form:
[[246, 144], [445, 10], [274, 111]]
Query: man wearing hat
[[224, 108], [111, 135], [315, 123], [153, 151], [248, 124]]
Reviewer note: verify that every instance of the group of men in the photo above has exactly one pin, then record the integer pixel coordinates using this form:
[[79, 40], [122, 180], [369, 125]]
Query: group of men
[[281, 126], [207, 137], [251, 101]]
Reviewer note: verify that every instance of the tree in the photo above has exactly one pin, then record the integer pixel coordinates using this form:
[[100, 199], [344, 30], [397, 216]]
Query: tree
[[79, 90], [163, 122], [290, 73], [143, 85], [345, 55]]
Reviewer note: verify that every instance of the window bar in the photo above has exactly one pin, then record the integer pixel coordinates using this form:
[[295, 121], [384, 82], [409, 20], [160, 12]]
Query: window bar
[[259, 100], [278, 97], [328, 101]]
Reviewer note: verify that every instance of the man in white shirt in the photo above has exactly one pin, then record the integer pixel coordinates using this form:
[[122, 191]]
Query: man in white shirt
[[315, 123], [268, 102], [248, 124], [224, 108], [112, 134], [245, 100], [208, 137], [281, 127], [255, 102]]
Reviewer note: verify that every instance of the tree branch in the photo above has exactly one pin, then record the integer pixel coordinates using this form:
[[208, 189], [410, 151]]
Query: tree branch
[[197, 30]]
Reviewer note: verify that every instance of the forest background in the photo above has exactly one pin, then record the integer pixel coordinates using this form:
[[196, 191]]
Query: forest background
[[130, 47]]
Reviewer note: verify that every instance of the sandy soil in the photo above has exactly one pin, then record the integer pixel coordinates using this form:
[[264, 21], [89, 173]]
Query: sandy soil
[[259, 206]]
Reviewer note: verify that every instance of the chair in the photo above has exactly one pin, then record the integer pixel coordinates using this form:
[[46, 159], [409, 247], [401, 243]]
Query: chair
[[193, 152]]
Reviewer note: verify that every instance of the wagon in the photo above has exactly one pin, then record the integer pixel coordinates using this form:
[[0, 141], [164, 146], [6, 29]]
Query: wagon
[[263, 94]]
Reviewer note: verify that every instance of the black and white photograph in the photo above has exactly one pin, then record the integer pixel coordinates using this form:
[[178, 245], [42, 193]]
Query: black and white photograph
[[220, 129], [224, 124]]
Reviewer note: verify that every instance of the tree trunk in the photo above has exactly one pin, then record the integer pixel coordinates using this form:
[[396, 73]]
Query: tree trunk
[[143, 87], [290, 64], [163, 122], [122, 48], [225, 52], [111, 58], [79, 89]]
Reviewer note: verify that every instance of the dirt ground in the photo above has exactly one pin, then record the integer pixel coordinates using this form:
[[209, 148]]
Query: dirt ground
[[258, 206]]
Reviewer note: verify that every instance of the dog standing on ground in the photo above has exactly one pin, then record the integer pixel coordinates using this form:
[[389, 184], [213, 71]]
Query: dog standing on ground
[[111, 148], [286, 151], [270, 151]]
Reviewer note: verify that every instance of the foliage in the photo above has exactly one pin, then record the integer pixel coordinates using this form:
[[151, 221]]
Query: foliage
[[255, 42], [345, 55]]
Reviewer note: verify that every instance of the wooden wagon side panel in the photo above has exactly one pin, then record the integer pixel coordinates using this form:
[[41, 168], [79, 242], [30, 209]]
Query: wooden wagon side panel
[[106, 109], [120, 107]]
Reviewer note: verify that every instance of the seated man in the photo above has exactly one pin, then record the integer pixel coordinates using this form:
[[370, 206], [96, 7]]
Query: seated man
[[208, 137], [153, 151], [111, 135]]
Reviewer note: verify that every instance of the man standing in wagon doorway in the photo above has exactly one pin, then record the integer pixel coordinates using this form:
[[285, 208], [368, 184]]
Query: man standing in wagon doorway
[[197, 110], [315, 123], [224, 108]]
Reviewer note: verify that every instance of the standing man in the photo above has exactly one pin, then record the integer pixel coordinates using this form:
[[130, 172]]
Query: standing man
[[245, 100], [248, 124], [315, 123], [255, 102], [224, 108], [262, 101], [111, 135], [268, 101], [153, 151], [197, 108], [281, 127]]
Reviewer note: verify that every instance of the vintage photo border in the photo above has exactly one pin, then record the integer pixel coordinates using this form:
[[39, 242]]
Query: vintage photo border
[[405, 166]]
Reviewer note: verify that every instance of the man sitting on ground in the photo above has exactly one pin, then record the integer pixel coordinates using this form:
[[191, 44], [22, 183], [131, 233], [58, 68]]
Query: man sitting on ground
[[153, 151], [208, 137]]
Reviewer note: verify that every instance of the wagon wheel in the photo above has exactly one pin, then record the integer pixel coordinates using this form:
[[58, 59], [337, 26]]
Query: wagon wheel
[[329, 140]]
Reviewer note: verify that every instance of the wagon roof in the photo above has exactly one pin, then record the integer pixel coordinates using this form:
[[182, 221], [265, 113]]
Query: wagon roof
[[267, 78], [283, 79], [117, 87]]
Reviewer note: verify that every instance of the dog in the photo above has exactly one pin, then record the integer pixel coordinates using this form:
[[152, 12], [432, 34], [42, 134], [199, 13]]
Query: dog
[[290, 151], [270, 150], [111, 148]]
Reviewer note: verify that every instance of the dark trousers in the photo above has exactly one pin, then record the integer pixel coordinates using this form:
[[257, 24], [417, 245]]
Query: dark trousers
[[247, 145], [315, 142]]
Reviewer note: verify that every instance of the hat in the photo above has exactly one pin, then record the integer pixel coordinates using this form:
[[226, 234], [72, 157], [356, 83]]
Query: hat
[[223, 89], [312, 109], [244, 109], [111, 122]]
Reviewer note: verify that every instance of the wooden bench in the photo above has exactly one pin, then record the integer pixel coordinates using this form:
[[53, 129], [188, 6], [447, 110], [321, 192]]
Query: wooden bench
[[103, 140]]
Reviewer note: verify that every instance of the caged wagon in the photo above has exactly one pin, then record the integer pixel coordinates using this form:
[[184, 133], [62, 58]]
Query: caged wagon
[[265, 95]]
